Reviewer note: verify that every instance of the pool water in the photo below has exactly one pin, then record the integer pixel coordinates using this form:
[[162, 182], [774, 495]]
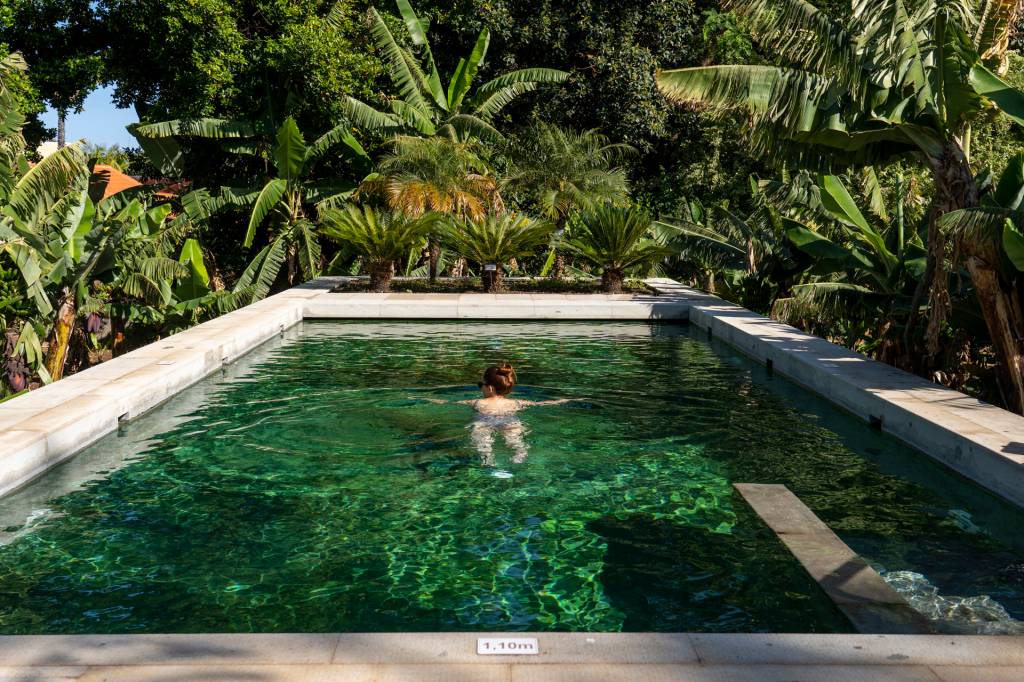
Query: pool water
[[331, 482]]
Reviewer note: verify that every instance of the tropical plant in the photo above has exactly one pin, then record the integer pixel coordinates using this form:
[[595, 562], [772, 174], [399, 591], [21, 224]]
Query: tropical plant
[[288, 202], [495, 240], [721, 243], [864, 265], [560, 170], [157, 282], [900, 78], [438, 174], [426, 107], [380, 237], [616, 239]]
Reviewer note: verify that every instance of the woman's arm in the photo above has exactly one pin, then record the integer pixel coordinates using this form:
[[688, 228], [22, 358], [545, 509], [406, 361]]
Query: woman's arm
[[541, 403]]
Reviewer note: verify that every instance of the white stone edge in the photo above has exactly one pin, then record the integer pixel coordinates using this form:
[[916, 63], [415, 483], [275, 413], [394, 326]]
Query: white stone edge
[[457, 648]]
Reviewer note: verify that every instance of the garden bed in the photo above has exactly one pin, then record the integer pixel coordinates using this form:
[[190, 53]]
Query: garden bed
[[473, 285]]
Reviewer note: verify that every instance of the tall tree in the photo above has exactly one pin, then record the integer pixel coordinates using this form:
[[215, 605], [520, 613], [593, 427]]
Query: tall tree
[[63, 43], [898, 79], [426, 106]]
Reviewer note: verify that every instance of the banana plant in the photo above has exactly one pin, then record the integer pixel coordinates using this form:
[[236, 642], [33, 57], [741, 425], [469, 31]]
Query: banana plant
[[896, 78], [426, 107], [287, 203], [862, 269]]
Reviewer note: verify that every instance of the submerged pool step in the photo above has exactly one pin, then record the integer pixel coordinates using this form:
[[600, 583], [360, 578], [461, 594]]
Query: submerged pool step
[[871, 605]]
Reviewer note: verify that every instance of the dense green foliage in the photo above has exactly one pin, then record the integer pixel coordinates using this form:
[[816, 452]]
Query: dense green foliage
[[847, 168]]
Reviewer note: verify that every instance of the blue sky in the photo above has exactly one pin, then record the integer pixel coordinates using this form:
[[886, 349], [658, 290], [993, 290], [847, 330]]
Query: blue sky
[[100, 121]]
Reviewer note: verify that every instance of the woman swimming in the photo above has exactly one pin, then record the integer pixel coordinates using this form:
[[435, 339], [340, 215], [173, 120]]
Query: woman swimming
[[496, 412]]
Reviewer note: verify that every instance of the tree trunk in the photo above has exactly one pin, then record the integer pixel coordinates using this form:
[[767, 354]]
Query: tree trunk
[[60, 339], [1002, 313], [61, 119], [955, 188], [434, 254], [380, 277], [558, 267], [493, 280], [611, 280]]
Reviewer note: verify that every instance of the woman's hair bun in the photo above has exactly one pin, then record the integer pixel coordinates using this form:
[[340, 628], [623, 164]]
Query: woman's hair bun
[[500, 377]]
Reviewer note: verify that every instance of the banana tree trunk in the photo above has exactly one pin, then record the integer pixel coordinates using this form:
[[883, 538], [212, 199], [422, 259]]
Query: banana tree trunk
[[60, 339], [955, 189], [1000, 307]]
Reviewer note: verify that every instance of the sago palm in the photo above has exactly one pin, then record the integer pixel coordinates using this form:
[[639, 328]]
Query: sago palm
[[496, 239], [616, 239], [899, 78], [380, 237], [425, 107]]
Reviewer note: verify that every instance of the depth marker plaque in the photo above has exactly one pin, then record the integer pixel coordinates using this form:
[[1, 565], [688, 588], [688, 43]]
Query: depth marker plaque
[[505, 646]]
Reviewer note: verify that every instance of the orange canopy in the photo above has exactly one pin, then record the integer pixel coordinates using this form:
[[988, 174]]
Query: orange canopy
[[118, 182]]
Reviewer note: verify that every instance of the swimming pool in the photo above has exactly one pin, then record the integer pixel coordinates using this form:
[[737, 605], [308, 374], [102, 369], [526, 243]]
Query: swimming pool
[[314, 486]]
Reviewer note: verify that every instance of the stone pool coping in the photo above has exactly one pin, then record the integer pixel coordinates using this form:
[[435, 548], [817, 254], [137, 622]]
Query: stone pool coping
[[575, 657], [984, 443]]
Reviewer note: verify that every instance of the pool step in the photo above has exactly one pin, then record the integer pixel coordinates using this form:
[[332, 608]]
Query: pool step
[[871, 605]]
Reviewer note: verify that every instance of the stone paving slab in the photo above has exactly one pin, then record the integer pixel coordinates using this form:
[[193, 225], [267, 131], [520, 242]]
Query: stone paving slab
[[565, 657]]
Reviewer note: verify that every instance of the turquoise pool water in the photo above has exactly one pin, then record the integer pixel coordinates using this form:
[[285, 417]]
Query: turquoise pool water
[[315, 486]]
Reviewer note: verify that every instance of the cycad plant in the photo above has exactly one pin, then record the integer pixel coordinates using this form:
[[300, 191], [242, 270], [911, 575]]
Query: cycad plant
[[496, 239], [616, 239], [426, 107], [380, 237], [900, 77]]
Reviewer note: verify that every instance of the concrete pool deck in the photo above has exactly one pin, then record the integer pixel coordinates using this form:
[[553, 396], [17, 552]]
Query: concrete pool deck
[[563, 657]]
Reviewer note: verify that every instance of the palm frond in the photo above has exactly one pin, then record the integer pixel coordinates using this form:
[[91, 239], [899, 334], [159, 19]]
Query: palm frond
[[365, 116], [269, 197], [401, 64], [211, 128], [802, 35]]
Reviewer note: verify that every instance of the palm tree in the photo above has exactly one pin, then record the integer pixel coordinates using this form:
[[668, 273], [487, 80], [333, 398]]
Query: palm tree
[[438, 174], [495, 240], [901, 78], [380, 237], [616, 238], [425, 106], [562, 170]]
